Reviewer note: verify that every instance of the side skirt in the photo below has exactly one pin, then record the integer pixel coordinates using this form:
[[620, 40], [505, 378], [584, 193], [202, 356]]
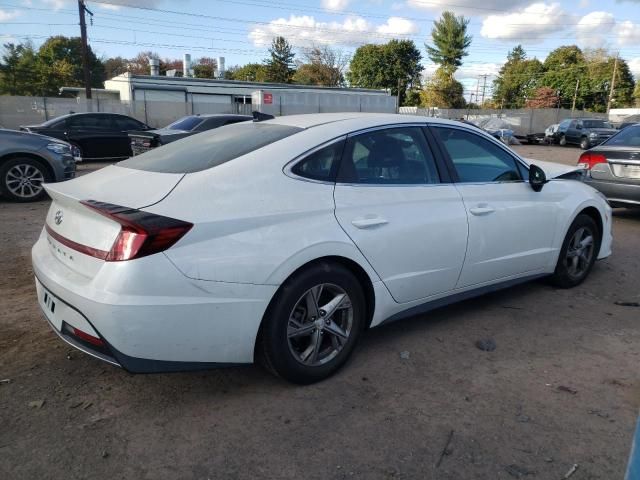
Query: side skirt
[[458, 297]]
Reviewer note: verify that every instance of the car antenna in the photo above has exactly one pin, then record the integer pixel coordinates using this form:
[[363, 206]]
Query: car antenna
[[261, 117]]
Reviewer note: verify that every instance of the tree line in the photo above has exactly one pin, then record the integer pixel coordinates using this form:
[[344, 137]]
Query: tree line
[[568, 73]]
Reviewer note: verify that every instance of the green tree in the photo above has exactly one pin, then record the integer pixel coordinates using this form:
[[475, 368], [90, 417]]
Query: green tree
[[18, 70], [280, 66], [636, 94], [564, 67], [251, 72], [394, 66], [115, 66], [59, 64], [517, 79], [600, 66], [450, 41]]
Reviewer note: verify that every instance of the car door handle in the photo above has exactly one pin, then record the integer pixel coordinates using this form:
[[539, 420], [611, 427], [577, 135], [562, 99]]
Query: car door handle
[[368, 222], [481, 210]]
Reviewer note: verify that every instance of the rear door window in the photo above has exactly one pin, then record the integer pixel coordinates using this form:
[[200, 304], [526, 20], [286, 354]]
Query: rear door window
[[322, 164], [211, 148]]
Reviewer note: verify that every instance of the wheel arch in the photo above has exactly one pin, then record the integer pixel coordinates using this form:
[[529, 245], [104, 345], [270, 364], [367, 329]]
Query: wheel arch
[[354, 267], [32, 156], [595, 215]]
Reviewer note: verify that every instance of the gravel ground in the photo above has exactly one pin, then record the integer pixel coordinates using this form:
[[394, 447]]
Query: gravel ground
[[561, 388]]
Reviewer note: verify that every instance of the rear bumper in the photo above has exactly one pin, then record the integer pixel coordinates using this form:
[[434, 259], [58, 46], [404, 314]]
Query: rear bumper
[[618, 194], [150, 316]]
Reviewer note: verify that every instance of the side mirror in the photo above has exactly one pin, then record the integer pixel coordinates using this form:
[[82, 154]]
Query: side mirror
[[537, 178]]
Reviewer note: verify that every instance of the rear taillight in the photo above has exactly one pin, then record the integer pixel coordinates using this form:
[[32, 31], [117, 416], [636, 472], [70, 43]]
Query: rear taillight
[[141, 233], [86, 337], [589, 159]]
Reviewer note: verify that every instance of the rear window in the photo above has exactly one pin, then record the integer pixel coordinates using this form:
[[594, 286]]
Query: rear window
[[209, 149], [629, 137], [186, 123]]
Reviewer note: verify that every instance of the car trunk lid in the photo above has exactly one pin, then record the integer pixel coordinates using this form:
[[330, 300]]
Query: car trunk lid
[[624, 162], [79, 236]]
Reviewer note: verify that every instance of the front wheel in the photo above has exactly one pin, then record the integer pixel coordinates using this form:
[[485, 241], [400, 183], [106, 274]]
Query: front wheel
[[563, 141], [584, 143], [578, 254], [313, 324], [21, 179]]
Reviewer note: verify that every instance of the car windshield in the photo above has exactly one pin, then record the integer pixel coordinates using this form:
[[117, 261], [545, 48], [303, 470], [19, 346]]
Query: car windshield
[[596, 124], [186, 123], [629, 137], [209, 149]]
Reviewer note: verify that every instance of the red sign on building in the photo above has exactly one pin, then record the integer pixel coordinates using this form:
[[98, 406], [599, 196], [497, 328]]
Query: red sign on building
[[267, 98]]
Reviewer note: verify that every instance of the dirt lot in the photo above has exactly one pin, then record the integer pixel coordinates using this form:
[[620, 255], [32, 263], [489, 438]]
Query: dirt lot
[[562, 388]]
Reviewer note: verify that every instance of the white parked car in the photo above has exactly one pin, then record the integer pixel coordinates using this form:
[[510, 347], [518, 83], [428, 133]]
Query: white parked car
[[283, 240]]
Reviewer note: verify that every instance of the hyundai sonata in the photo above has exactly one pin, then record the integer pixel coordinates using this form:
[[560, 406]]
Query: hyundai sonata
[[283, 240]]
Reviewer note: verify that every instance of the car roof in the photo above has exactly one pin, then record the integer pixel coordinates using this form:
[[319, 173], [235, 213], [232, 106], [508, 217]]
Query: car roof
[[355, 119]]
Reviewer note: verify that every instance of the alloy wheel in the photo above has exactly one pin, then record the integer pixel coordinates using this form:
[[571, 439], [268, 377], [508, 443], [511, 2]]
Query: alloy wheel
[[320, 324], [24, 180], [579, 252]]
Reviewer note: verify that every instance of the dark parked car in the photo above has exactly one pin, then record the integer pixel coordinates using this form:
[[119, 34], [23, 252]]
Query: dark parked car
[[614, 167], [99, 136], [189, 125], [586, 132], [28, 160]]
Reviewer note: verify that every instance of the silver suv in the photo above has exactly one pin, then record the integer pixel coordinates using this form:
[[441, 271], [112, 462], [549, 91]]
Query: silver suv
[[27, 160]]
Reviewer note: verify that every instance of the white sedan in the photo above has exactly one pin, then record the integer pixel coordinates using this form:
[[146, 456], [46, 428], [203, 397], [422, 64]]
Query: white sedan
[[283, 240]]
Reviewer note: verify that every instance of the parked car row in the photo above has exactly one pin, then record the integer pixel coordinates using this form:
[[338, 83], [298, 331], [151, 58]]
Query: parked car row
[[47, 152]]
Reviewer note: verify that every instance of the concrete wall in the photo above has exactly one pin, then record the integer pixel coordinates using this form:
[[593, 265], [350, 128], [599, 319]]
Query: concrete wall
[[522, 121]]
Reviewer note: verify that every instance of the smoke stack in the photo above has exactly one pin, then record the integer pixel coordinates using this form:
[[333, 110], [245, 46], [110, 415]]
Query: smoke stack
[[220, 67], [154, 66], [186, 65]]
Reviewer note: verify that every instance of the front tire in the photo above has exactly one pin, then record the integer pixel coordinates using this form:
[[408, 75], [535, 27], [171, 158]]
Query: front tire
[[578, 253], [562, 141], [584, 143], [21, 179], [313, 324]]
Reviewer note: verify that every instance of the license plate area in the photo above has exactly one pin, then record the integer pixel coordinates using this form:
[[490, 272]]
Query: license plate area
[[626, 170]]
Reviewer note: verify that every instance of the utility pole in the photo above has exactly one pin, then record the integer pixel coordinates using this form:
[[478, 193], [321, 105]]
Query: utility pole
[[484, 86], [575, 94], [82, 8], [613, 83], [469, 104]]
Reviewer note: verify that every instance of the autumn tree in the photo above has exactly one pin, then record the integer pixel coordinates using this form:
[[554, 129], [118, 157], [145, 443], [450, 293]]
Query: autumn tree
[[322, 66], [205, 67], [543, 97]]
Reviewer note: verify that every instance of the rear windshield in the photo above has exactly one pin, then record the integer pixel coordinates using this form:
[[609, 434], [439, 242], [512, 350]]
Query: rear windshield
[[186, 123], [596, 124], [209, 149], [629, 137]]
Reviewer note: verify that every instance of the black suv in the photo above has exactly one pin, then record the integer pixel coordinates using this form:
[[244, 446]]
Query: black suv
[[99, 136], [586, 132]]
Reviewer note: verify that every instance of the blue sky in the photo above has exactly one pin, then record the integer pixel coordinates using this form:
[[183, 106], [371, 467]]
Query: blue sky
[[241, 30]]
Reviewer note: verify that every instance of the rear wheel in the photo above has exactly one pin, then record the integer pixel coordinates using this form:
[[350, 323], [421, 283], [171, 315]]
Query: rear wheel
[[584, 143], [313, 324], [578, 253], [21, 179]]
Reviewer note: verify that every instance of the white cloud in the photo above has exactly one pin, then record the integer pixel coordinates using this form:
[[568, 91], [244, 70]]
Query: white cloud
[[529, 26], [335, 5], [304, 30], [55, 4], [467, 7], [592, 29], [628, 33], [634, 66], [6, 15]]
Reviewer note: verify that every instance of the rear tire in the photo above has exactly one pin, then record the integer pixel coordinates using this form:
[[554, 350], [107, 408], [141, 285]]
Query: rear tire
[[21, 179], [578, 253], [304, 339]]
